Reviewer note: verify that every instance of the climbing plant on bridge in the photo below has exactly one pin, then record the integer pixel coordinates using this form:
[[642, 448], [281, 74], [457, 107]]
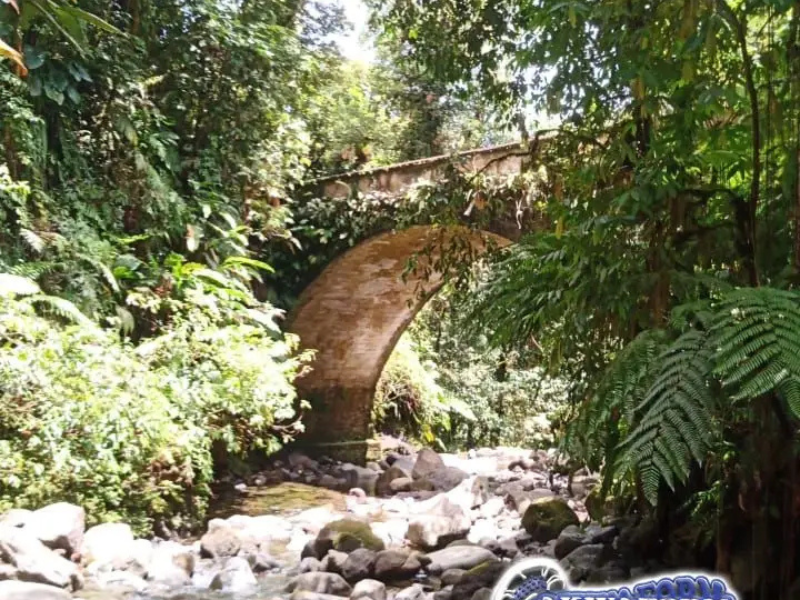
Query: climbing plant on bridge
[[324, 228]]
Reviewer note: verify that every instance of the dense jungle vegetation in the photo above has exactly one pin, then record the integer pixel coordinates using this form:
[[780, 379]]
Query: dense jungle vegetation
[[153, 227]]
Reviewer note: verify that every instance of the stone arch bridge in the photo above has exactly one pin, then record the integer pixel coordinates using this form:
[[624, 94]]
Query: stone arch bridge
[[355, 311]]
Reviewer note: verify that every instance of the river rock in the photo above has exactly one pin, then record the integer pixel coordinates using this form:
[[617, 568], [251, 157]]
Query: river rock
[[298, 460], [59, 526], [236, 576], [359, 565], [492, 508], [441, 480], [16, 517], [334, 561], [581, 561], [452, 576], [323, 583], [360, 477], [309, 564], [412, 592], [123, 581], [427, 462], [108, 543], [25, 590], [458, 557], [383, 483], [482, 576], [346, 535], [32, 561], [171, 565], [568, 540], [308, 595], [482, 594], [442, 522], [368, 589], [401, 484], [393, 565], [545, 518], [221, 542]]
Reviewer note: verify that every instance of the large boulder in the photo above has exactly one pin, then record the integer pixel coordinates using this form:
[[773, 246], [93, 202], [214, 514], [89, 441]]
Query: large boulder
[[427, 462], [441, 480], [442, 522], [545, 518], [171, 564], [322, 583], [59, 526], [221, 542], [459, 557], [346, 535], [32, 561], [569, 539], [581, 561], [395, 565], [108, 543], [360, 564], [24, 590]]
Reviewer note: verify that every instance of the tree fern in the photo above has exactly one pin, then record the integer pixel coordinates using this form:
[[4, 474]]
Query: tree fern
[[756, 335], [675, 426], [625, 380]]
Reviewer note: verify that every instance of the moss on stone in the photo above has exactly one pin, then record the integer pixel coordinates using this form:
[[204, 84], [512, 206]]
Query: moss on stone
[[346, 535], [545, 518]]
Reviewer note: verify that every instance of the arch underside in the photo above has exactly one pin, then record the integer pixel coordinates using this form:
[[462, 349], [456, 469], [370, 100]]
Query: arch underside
[[353, 314]]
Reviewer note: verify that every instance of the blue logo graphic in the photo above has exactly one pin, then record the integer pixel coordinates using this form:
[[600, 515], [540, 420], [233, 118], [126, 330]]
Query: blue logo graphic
[[545, 579]]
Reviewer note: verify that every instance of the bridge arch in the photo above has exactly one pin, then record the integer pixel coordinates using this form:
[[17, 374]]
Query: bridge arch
[[353, 315]]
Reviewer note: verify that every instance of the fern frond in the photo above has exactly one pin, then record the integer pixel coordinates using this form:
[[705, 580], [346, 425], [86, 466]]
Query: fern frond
[[674, 426], [756, 334], [62, 308]]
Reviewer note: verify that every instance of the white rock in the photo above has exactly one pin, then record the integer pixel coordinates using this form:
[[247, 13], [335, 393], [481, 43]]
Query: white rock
[[413, 592], [235, 577], [108, 543], [369, 589], [35, 562], [23, 590], [59, 526]]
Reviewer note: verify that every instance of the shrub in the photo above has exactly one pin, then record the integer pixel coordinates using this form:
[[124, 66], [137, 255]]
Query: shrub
[[127, 431]]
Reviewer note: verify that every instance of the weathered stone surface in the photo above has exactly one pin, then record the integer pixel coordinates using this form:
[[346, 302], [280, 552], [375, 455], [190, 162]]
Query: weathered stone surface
[[34, 562], [220, 543], [396, 565], [108, 543], [368, 589], [24, 590], [427, 462], [236, 576], [569, 539], [412, 592], [545, 518], [308, 595], [459, 557], [323, 583], [346, 535], [383, 485], [441, 521], [482, 576], [583, 559], [360, 564], [309, 564], [59, 526]]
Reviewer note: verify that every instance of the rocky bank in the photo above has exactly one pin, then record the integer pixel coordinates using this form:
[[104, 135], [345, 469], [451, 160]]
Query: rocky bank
[[416, 526]]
